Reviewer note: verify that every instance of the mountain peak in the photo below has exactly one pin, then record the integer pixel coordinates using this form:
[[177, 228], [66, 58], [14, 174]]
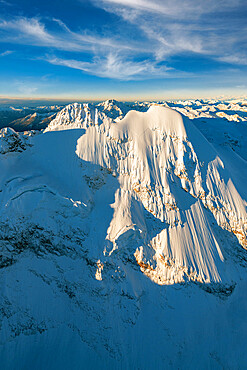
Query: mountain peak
[[11, 141], [74, 115], [78, 115]]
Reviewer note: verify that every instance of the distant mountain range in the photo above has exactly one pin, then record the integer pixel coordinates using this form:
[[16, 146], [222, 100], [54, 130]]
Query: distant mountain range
[[38, 118]]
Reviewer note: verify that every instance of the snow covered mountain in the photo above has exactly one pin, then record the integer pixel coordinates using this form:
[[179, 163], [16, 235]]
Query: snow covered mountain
[[35, 121], [123, 243], [27, 118], [85, 115]]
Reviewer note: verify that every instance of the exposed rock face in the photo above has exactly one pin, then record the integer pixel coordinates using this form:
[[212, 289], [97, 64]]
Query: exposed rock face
[[75, 116], [11, 141]]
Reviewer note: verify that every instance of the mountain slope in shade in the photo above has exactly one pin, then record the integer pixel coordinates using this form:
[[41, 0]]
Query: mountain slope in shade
[[112, 236], [33, 121], [27, 118]]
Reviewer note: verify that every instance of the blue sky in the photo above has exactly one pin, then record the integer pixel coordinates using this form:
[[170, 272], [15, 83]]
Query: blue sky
[[124, 49]]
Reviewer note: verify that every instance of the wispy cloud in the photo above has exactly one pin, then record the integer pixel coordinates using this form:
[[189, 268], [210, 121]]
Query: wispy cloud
[[173, 8], [110, 57], [25, 88], [161, 29], [5, 53], [4, 2], [113, 66], [23, 30], [86, 39], [31, 31], [210, 28], [234, 59]]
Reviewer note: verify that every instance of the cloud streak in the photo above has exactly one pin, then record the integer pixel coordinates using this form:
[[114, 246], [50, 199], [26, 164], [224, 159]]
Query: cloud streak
[[6, 53], [173, 8], [110, 58], [31, 31], [174, 27], [113, 66], [161, 29]]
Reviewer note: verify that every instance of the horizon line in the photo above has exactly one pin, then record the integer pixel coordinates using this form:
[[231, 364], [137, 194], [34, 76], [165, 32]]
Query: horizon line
[[120, 99]]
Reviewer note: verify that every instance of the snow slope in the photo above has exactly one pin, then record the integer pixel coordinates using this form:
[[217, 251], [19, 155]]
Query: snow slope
[[159, 171], [122, 245]]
